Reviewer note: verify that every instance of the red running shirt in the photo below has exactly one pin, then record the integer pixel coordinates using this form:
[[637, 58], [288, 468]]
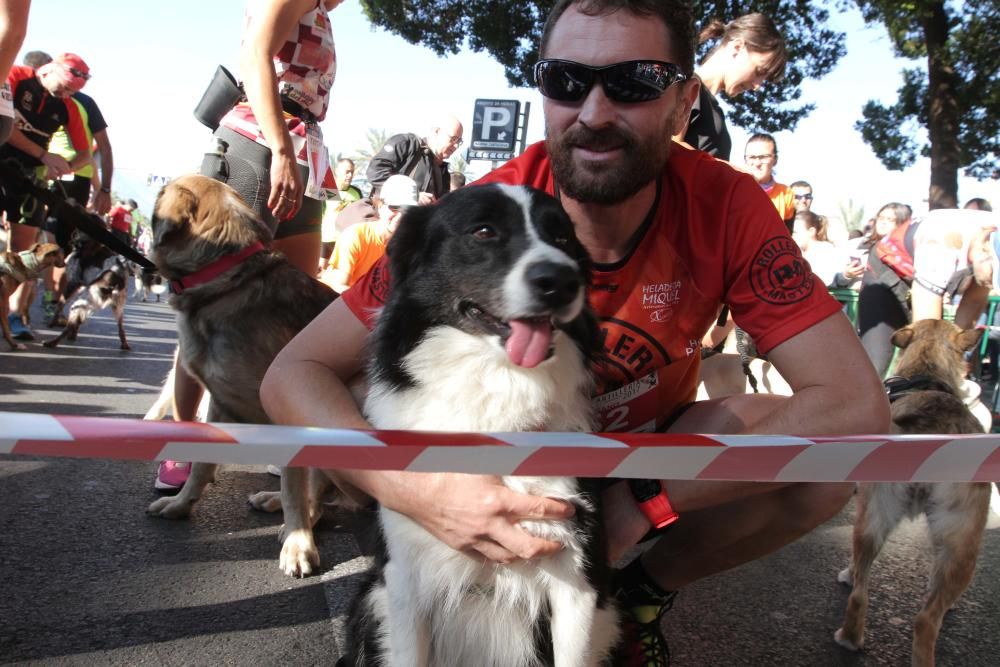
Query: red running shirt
[[713, 237]]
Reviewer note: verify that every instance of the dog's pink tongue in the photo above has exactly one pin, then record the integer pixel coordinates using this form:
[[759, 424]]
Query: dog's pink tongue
[[529, 341]]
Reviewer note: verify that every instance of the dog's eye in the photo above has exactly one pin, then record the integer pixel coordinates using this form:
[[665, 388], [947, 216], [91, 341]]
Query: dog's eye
[[484, 232]]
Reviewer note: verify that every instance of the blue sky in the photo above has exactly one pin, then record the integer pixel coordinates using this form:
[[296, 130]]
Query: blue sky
[[151, 61]]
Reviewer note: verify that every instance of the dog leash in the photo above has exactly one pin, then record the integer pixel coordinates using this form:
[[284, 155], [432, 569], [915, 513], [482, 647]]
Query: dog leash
[[88, 223]]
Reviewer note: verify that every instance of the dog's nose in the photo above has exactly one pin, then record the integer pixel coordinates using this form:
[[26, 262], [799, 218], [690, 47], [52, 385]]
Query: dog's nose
[[554, 284]]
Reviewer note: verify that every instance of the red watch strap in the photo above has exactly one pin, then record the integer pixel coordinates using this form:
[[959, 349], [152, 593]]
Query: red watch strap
[[659, 511]]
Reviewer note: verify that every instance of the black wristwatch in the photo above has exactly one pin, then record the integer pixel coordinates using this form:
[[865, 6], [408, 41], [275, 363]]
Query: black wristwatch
[[652, 499], [106, 191]]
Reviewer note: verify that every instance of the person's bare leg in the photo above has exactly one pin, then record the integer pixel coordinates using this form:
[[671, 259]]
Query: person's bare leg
[[21, 238], [302, 250]]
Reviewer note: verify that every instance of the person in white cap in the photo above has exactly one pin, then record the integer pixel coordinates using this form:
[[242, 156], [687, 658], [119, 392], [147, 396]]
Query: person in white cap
[[361, 245]]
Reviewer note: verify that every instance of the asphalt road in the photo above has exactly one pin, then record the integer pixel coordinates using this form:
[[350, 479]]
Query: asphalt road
[[88, 579]]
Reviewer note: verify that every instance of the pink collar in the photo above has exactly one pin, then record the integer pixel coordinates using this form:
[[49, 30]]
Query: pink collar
[[212, 270]]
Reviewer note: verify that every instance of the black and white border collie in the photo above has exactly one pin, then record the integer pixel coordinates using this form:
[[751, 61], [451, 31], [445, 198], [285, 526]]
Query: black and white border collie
[[487, 328]]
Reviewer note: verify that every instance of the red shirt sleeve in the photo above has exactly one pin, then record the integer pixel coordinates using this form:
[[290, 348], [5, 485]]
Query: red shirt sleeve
[[367, 296], [770, 287]]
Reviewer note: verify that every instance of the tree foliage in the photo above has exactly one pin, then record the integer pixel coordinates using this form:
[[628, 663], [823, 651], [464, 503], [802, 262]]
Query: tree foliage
[[510, 31], [954, 96], [376, 139]]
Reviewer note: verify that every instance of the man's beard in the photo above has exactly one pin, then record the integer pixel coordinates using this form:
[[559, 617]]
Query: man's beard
[[611, 182]]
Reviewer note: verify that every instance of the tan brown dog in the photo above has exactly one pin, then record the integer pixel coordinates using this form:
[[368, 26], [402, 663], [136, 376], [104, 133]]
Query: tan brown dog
[[237, 305], [18, 267], [929, 377]]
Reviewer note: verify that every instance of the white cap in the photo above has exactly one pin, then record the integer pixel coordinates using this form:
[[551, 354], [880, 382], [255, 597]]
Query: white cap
[[399, 190]]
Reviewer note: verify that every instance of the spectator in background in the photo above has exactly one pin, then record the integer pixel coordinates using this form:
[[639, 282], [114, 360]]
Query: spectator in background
[[802, 194], [750, 51], [120, 217], [827, 261], [978, 204], [13, 28], [344, 174], [884, 301], [761, 156], [361, 245], [42, 100], [76, 185], [457, 181], [422, 159]]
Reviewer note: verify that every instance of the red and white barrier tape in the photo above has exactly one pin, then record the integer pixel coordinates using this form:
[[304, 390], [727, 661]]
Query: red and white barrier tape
[[890, 458]]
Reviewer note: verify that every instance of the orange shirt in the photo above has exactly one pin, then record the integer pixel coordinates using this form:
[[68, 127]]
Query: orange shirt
[[708, 240], [783, 199], [356, 251]]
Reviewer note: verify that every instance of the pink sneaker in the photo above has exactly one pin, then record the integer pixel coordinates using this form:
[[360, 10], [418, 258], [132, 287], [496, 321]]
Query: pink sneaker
[[172, 475]]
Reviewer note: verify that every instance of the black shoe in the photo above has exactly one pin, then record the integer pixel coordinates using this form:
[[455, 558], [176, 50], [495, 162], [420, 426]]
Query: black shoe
[[643, 605]]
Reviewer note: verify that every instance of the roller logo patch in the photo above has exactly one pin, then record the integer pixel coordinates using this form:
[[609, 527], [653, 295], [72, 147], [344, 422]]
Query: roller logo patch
[[779, 274]]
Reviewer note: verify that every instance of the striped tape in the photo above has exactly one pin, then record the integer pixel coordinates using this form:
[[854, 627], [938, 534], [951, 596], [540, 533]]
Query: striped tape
[[889, 458]]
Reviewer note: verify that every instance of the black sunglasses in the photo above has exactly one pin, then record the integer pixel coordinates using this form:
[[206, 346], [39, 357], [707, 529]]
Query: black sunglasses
[[631, 81], [807, 196]]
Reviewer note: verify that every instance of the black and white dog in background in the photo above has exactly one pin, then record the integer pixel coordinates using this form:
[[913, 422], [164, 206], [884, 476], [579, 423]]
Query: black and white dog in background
[[96, 278], [487, 328]]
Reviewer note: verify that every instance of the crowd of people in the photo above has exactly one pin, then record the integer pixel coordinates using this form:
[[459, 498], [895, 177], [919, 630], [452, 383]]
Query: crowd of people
[[619, 82]]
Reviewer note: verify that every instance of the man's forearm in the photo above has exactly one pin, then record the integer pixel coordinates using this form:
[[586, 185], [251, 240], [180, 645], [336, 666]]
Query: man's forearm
[[107, 159]]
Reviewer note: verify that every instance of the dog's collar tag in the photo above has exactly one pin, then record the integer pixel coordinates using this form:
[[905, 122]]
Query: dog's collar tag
[[214, 269]]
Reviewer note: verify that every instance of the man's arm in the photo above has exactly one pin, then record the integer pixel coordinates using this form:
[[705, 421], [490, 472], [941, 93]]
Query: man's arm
[[836, 389], [389, 160], [101, 203], [13, 28]]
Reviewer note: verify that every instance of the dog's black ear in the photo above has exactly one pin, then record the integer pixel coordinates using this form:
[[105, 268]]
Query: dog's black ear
[[174, 211], [903, 337], [967, 339], [406, 246]]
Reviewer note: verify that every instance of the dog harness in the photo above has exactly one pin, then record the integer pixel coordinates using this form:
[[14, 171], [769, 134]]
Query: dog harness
[[212, 270], [897, 386]]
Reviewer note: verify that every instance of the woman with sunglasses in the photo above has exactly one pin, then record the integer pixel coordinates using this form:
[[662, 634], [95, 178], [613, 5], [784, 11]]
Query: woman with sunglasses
[[288, 62], [750, 51]]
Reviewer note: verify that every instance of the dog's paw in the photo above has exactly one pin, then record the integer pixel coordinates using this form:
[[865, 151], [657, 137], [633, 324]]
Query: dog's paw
[[266, 501], [51, 343], [840, 638], [170, 508], [845, 576], [125, 346], [299, 554], [18, 347]]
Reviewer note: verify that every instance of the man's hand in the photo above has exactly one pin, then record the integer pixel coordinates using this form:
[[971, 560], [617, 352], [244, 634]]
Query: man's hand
[[101, 202], [478, 515], [56, 165], [425, 198]]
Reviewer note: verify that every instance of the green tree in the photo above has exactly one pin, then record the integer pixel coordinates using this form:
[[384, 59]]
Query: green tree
[[459, 165], [510, 31], [956, 99], [851, 214], [362, 156]]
